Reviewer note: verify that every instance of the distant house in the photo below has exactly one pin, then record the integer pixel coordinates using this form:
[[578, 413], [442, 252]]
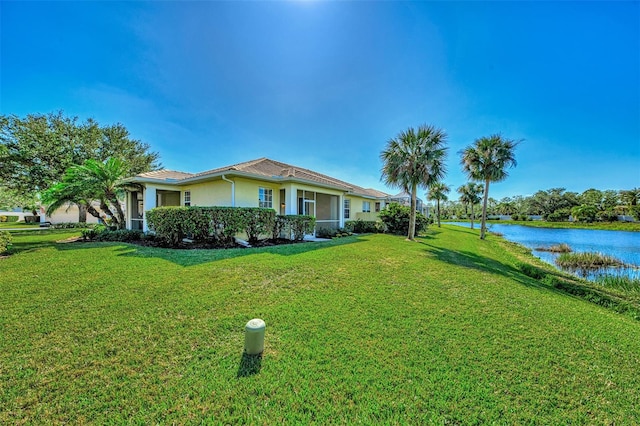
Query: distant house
[[404, 198], [263, 182]]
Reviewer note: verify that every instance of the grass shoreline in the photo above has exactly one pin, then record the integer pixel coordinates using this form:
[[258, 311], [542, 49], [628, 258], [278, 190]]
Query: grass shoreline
[[368, 328]]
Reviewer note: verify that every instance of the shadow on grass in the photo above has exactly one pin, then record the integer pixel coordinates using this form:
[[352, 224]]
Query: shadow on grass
[[480, 263], [186, 257], [249, 365]]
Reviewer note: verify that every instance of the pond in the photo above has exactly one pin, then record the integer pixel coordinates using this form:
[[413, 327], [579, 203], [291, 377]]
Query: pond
[[622, 245]]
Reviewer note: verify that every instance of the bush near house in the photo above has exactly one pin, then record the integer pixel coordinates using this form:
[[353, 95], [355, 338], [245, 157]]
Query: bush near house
[[360, 226], [396, 219], [222, 224]]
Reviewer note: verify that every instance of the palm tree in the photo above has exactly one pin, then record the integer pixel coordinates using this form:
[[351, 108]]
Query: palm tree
[[63, 193], [470, 194], [438, 191], [486, 161], [93, 181], [412, 159]]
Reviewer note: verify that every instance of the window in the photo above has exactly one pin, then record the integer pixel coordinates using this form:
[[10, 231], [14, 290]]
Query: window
[[347, 208], [366, 207], [265, 198], [187, 198], [377, 206]]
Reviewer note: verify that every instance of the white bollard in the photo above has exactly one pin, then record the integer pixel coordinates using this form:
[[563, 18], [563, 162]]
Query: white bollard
[[254, 337]]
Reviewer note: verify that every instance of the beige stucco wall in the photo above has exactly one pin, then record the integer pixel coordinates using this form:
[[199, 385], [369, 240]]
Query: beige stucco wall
[[214, 193], [68, 214], [356, 208]]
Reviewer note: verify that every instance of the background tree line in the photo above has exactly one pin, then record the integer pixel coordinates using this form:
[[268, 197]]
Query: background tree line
[[556, 205], [41, 154]]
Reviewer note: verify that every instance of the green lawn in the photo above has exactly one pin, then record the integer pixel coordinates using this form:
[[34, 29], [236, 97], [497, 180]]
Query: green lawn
[[18, 225], [365, 329]]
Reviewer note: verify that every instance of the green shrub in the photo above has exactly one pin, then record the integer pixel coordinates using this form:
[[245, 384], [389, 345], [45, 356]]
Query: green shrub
[[298, 225], [122, 235], [360, 226], [10, 218], [258, 221], [89, 234], [560, 215], [326, 233], [172, 224], [278, 226], [396, 219], [3, 218], [5, 241], [73, 225]]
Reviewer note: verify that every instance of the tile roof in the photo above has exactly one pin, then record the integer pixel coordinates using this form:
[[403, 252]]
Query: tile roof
[[270, 169], [165, 174]]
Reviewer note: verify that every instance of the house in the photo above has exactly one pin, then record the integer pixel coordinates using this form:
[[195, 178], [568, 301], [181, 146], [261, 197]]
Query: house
[[263, 182], [404, 199]]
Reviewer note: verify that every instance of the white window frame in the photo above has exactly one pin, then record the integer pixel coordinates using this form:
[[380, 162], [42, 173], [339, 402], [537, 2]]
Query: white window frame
[[187, 198], [366, 207], [347, 208], [265, 198]]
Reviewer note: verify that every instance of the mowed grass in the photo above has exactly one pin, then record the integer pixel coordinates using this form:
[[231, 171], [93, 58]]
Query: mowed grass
[[370, 329]]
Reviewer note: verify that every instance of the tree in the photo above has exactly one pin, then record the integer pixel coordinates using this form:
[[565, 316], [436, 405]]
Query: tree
[[37, 150], [438, 191], [93, 181], [412, 159], [550, 201], [470, 194], [10, 199], [631, 200], [486, 161]]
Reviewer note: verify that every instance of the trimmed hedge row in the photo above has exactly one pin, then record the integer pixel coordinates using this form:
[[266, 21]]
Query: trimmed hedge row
[[9, 218], [222, 224]]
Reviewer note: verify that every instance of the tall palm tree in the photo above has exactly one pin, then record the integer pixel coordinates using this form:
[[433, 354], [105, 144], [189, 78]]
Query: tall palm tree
[[486, 161], [438, 191], [412, 159], [470, 194]]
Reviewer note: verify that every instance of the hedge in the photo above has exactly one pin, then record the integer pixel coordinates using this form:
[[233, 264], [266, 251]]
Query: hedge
[[222, 224], [9, 218]]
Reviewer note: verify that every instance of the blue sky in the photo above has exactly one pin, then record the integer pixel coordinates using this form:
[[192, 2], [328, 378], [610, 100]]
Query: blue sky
[[325, 85]]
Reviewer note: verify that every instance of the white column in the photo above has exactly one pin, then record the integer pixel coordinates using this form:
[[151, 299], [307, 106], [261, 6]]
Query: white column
[[149, 203], [292, 200], [127, 212], [341, 210]]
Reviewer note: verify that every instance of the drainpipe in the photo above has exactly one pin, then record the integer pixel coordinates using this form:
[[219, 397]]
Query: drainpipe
[[233, 190]]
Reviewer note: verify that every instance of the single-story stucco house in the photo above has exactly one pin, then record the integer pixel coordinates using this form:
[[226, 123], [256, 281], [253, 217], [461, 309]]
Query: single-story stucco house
[[263, 182]]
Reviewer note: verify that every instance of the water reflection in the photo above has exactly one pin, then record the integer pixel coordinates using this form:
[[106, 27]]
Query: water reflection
[[622, 245]]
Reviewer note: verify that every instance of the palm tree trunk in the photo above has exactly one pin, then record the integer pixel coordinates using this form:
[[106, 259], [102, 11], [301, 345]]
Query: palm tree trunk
[[105, 208], [412, 213], [82, 213], [483, 226], [438, 204], [92, 211], [119, 212]]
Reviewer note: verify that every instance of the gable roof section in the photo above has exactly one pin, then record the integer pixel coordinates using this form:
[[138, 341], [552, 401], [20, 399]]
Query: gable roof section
[[261, 168]]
